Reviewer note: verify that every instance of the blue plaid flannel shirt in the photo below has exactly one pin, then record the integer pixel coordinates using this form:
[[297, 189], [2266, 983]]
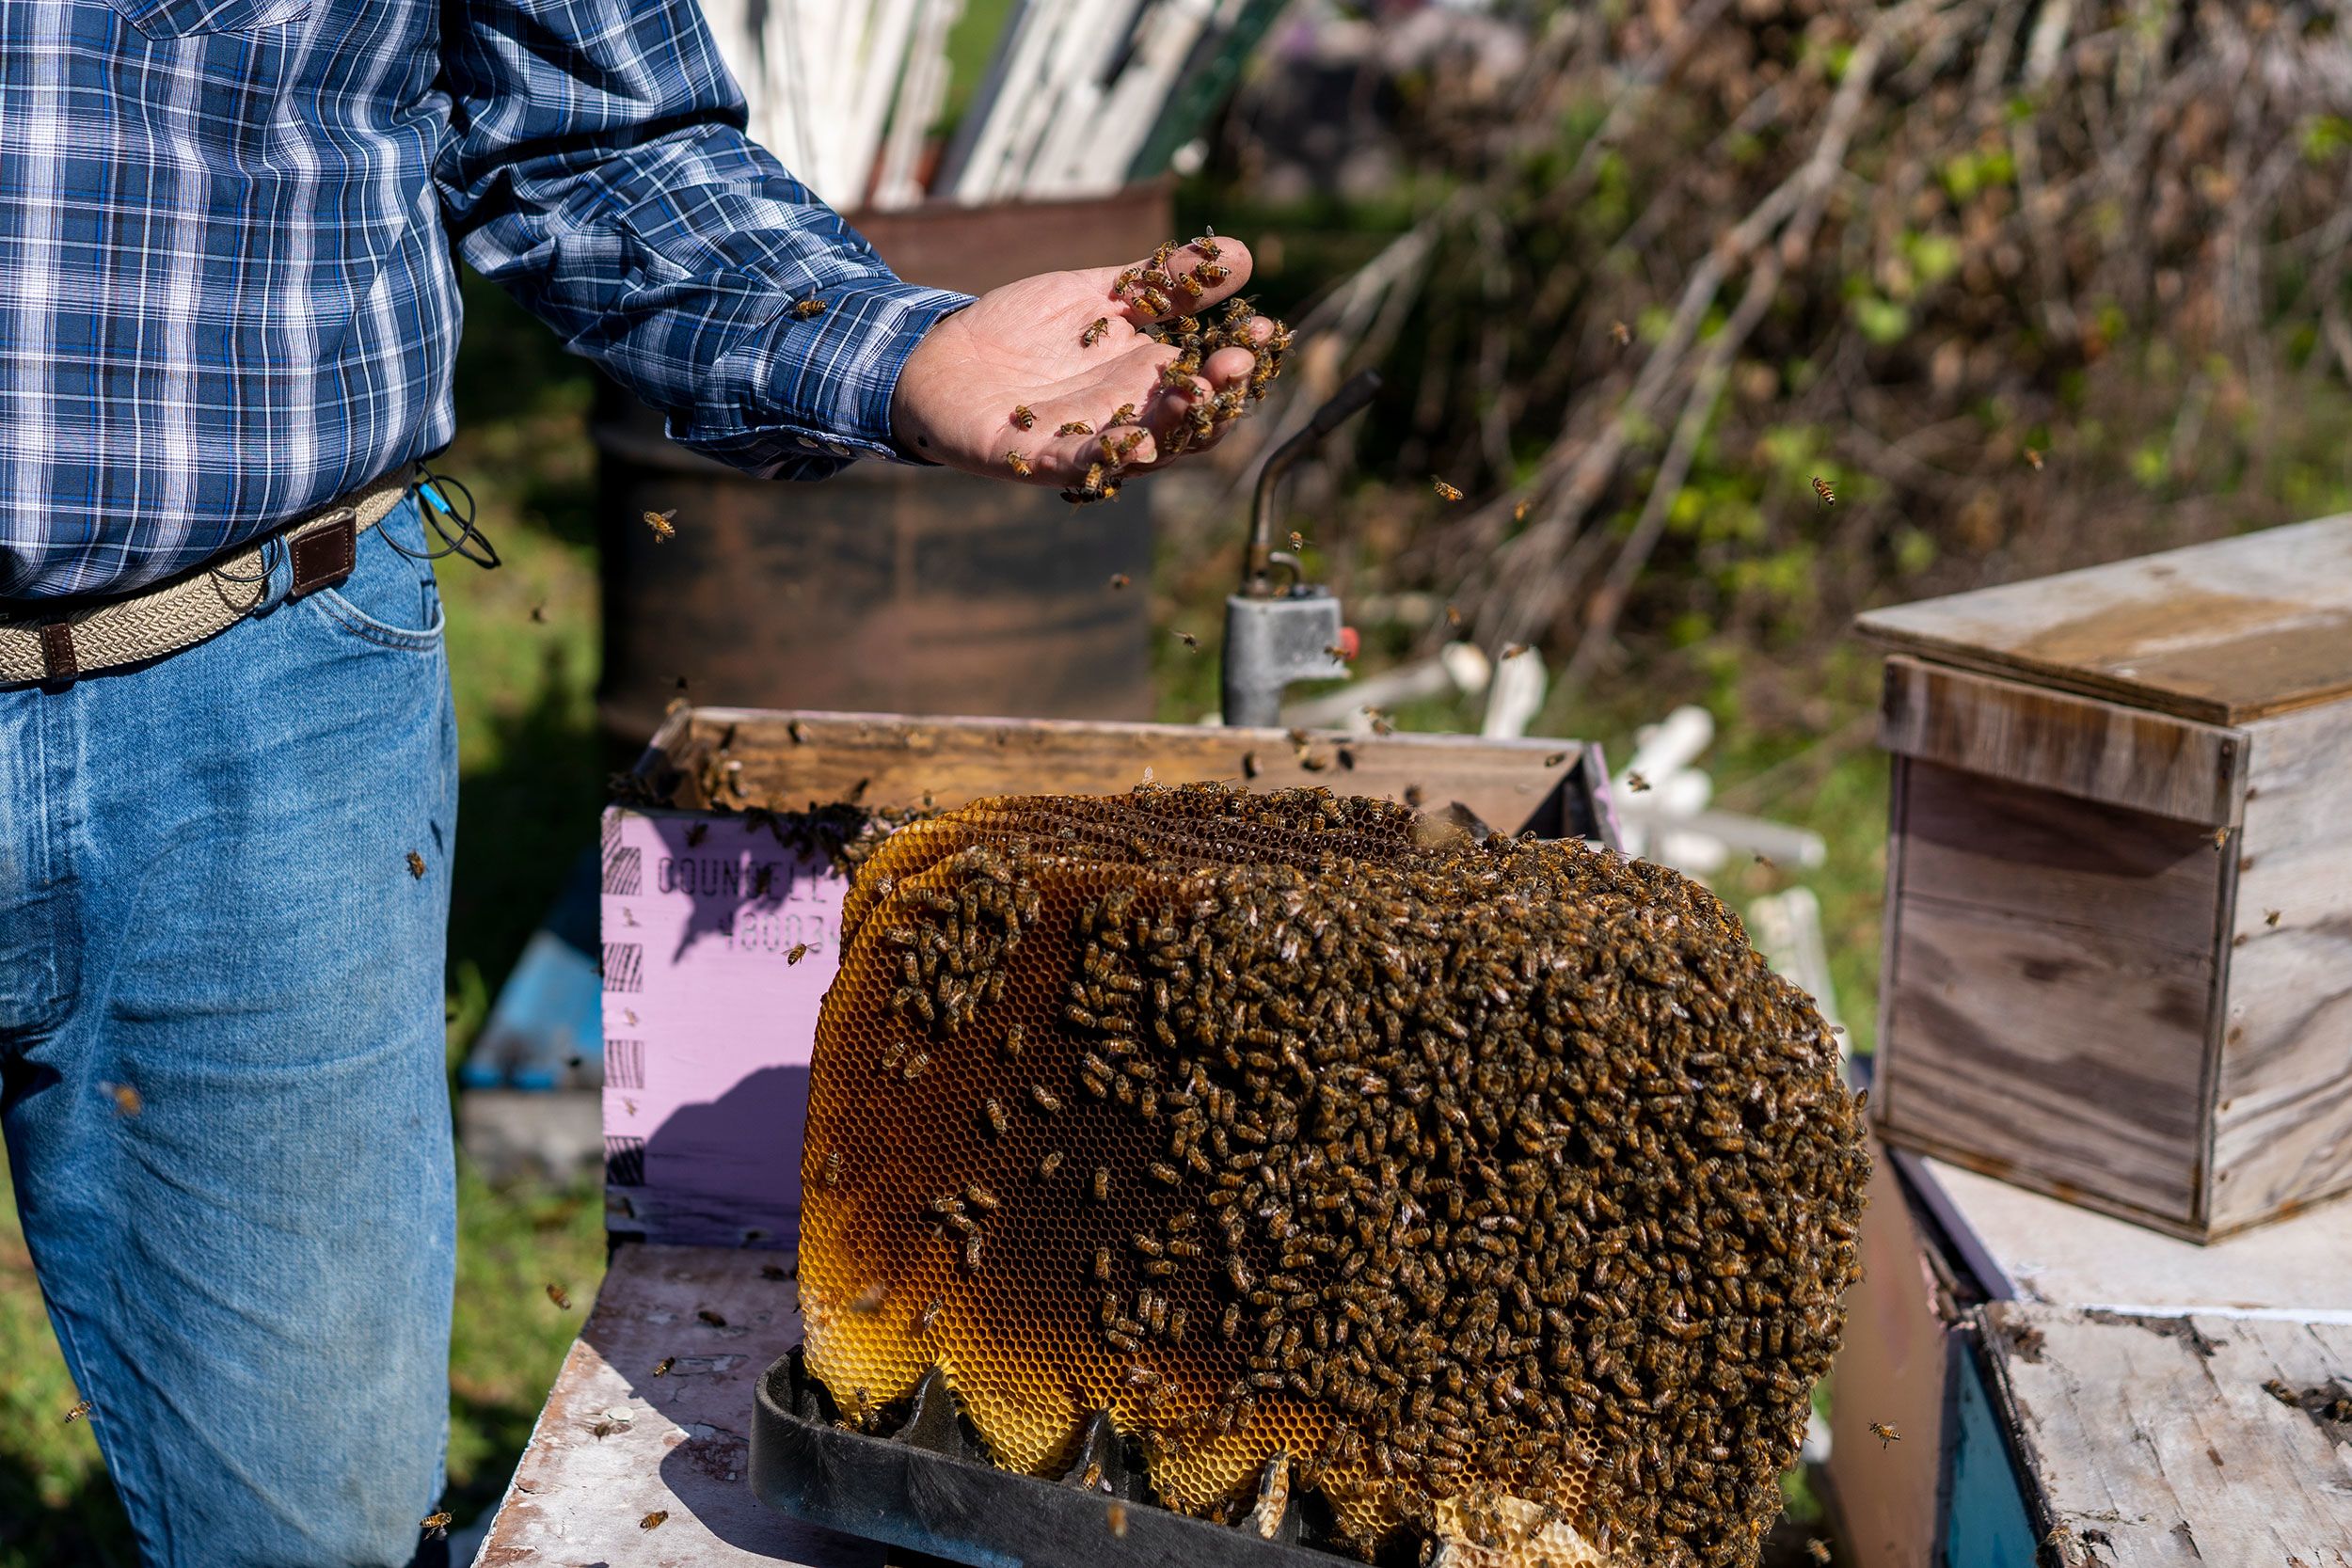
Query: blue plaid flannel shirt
[[227, 293]]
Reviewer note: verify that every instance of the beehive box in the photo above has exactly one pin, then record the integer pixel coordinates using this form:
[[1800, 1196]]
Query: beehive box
[[720, 931], [2119, 930]]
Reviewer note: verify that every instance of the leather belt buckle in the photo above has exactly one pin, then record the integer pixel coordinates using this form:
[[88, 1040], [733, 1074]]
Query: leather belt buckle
[[325, 556]]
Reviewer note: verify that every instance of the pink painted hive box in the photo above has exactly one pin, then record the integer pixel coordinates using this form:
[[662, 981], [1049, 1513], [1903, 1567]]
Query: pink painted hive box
[[710, 888]]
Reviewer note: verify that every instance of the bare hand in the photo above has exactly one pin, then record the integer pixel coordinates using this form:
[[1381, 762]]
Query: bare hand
[[1031, 347]]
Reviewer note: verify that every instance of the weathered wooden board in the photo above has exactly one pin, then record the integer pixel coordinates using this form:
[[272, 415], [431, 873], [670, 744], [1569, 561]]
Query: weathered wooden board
[[581, 1498], [2224, 632], [789, 760], [2048, 984], [2283, 1123], [1890, 1368], [2152, 1440], [2049, 1251], [2076, 746]]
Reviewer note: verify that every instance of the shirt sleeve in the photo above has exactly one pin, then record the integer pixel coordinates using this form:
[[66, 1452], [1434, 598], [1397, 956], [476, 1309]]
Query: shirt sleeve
[[598, 171]]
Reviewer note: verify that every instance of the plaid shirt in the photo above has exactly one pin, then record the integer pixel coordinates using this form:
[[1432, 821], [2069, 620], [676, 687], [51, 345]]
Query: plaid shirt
[[227, 295]]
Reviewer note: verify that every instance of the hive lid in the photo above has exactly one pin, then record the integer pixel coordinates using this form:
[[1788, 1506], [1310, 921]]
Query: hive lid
[[2226, 632]]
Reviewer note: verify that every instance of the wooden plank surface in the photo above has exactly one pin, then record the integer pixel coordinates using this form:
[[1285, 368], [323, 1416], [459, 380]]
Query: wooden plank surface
[[2152, 1440], [2047, 991], [2282, 1126], [581, 1498], [2077, 746], [2223, 632], [2062, 1255], [788, 760]]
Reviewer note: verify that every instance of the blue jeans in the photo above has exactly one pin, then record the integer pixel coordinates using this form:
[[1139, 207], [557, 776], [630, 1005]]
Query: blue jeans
[[222, 1065]]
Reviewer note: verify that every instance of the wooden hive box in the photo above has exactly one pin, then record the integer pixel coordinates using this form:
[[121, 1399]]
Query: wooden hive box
[[2119, 930]]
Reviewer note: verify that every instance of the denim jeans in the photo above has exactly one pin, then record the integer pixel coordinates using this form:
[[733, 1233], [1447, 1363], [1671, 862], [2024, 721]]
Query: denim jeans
[[224, 888]]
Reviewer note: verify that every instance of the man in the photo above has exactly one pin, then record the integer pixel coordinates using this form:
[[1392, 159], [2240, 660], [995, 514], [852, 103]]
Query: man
[[226, 770]]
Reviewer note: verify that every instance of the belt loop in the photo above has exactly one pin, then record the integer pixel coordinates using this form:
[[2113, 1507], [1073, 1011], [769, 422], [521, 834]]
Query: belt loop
[[59, 666]]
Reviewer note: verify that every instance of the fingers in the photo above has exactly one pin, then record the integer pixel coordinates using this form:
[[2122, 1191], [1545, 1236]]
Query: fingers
[[1180, 280]]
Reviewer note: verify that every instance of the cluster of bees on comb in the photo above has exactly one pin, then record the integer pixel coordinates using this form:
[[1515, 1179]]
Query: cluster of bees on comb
[[1496, 1190], [1169, 297]]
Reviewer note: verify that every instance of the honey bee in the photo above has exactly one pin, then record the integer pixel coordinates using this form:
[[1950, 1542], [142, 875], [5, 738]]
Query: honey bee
[[1513, 650], [2033, 456], [559, 1296], [129, 1103], [1816, 1548], [1126, 415], [1075, 427], [1885, 1433], [1822, 488], [436, 1525], [971, 1255], [653, 1520], [1188, 641], [995, 1115], [808, 307], [539, 614], [1340, 651], [1445, 492], [868, 1301], [1096, 333], [1298, 540], [800, 951], [1637, 783], [1101, 1184], [2220, 839], [1556, 759], [664, 524], [81, 1408], [416, 865], [1212, 272], [1120, 581], [1048, 1165], [830, 1175], [2271, 917], [696, 833], [1018, 464], [928, 1317], [710, 1317], [1012, 1042], [1116, 1516], [662, 1368], [775, 1271], [1621, 334], [1024, 416], [1519, 513]]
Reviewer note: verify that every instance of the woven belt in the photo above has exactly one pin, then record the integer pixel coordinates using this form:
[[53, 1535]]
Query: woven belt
[[323, 546]]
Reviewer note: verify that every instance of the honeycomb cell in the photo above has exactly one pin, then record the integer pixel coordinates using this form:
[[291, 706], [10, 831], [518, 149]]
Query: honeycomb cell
[[1499, 1187]]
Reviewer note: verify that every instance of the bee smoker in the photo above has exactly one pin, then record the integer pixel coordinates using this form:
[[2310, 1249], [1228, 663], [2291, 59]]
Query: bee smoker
[[1279, 632]]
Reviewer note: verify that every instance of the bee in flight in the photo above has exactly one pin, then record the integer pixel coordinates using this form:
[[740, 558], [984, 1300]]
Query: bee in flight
[[1816, 1548], [1189, 640], [437, 1525], [129, 1103], [1820, 488], [663, 524], [81, 1408], [1445, 492], [1118, 581], [1885, 1433], [1514, 650], [1621, 334], [1635, 783], [559, 1296], [2033, 456], [667, 1362], [800, 951]]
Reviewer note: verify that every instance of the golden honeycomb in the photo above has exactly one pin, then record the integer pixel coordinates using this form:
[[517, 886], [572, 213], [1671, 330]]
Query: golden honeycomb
[[1498, 1186]]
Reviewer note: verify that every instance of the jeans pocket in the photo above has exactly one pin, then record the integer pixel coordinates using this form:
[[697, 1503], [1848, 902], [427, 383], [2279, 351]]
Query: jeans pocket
[[176, 19], [389, 598]]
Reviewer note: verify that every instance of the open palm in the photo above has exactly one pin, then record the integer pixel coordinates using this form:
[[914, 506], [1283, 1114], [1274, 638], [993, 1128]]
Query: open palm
[[991, 389]]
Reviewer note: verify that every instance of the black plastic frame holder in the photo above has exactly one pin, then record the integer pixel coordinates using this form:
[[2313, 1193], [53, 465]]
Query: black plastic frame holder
[[928, 1486]]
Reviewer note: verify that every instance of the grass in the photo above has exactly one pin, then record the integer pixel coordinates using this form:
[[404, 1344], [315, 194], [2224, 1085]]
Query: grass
[[522, 647]]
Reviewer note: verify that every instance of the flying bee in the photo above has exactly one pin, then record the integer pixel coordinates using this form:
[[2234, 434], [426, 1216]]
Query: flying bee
[[2220, 839], [1120, 581], [1188, 641], [664, 524], [1116, 1517], [709, 1317], [1822, 488], [81, 1408], [437, 1525], [1075, 427], [2270, 917], [1513, 650], [2033, 456], [1816, 1548], [1621, 334], [868, 1301], [808, 309], [1635, 783], [800, 951], [416, 865], [1018, 464], [1024, 416], [653, 1520], [1519, 513], [662, 1368], [559, 1296], [1096, 333], [1885, 1433], [129, 1103]]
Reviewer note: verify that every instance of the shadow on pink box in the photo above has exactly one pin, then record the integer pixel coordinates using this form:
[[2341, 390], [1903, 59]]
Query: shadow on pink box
[[709, 1024]]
